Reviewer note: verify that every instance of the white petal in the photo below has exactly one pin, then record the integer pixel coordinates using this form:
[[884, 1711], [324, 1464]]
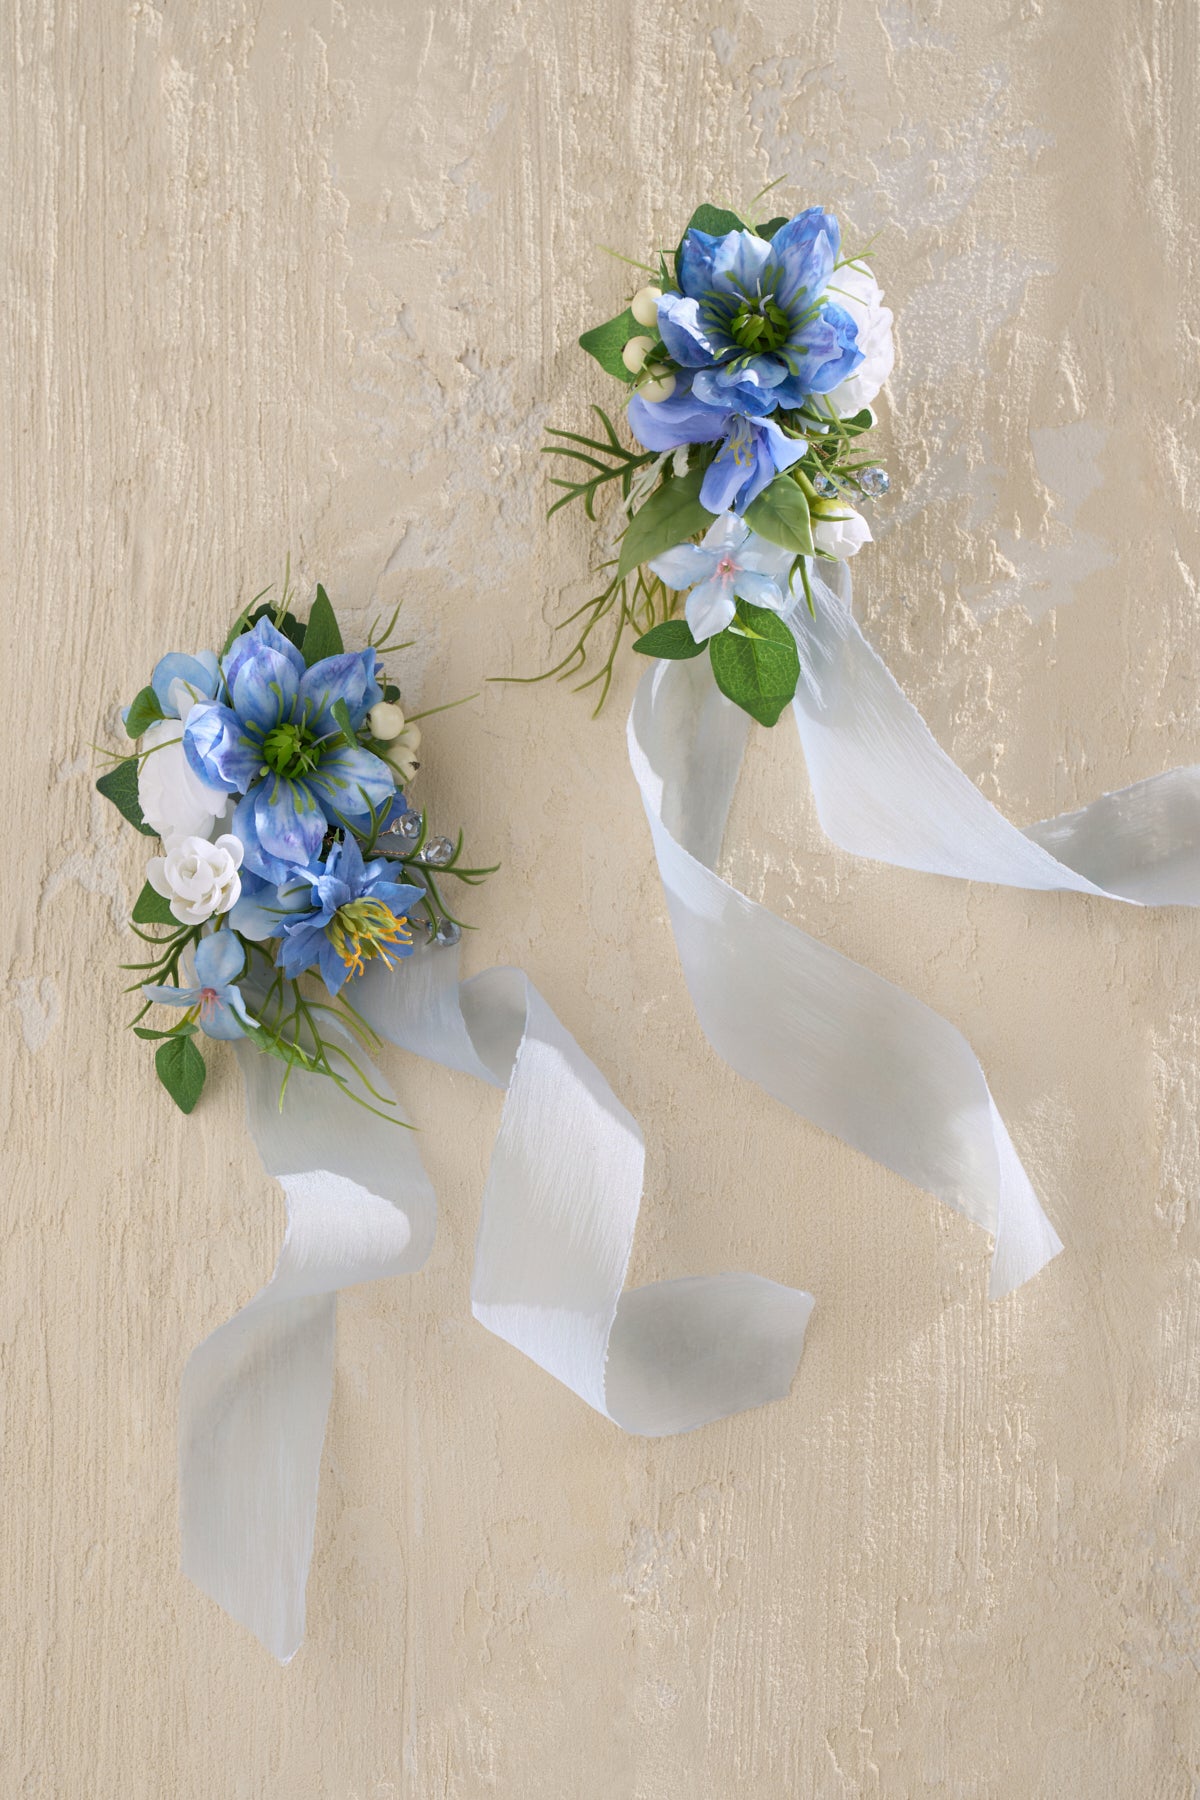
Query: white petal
[[156, 875]]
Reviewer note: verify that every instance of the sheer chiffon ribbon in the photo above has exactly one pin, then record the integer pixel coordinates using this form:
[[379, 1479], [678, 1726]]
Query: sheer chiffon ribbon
[[838, 1044]]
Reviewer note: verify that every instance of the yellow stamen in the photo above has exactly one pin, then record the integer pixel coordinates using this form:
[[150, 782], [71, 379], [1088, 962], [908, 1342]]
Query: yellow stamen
[[364, 929]]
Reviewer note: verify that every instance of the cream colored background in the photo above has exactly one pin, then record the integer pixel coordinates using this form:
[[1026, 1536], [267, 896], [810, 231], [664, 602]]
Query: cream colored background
[[305, 275]]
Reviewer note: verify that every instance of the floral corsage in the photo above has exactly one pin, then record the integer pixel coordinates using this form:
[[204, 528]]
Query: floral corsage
[[751, 357], [273, 775]]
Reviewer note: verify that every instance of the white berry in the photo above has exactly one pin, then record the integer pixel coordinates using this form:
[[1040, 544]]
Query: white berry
[[659, 387], [644, 305], [635, 353], [386, 721]]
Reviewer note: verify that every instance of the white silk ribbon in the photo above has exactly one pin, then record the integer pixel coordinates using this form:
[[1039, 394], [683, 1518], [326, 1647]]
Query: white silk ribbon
[[838, 1044], [555, 1235]]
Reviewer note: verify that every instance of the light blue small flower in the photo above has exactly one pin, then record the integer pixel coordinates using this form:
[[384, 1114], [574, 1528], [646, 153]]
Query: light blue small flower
[[219, 960], [732, 563], [355, 912], [752, 453]]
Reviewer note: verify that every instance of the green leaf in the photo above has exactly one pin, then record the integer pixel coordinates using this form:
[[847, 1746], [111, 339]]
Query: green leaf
[[780, 514], [120, 785], [861, 421], [756, 662], [672, 640], [144, 712], [151, 908], [670, 516], [606, 342], [391, 692], [322, 638], [341, 713], [770, 228], [180, 1068], [176, 1031]]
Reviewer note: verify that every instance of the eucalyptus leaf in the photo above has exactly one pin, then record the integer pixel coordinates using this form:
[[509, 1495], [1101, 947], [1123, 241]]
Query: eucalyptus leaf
[[780, 514], [672, 640], [144, 712], [120, 785], [670, 516], [323, 637], [606, 342], [180, 1068], [756, 662], [152, 908]]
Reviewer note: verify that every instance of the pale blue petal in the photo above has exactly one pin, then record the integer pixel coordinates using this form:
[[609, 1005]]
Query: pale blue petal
[[738, 261], [759, 590], [199, 672], [684, 566], [219, 1019], [342, 677], [220, 959], [173, 996], [289, 821], [346, 776], [803, 253], [264, 635], [218, 750], [681, 331], [709, 607], [264, 689], [665, 424]]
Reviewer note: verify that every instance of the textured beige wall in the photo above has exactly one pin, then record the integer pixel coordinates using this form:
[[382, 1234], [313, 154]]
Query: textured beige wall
[[305, 275]]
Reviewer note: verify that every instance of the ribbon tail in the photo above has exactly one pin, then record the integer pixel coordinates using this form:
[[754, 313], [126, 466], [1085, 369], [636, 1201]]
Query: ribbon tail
[[558, 1218], [256, 1392], [886, 789], [835, 1042]]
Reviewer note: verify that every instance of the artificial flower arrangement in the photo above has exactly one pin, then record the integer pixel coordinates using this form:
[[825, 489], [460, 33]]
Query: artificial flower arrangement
[[751, 357], [290, 857]]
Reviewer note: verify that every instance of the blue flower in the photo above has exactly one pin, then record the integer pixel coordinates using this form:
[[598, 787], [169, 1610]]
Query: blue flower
[[752, 453], [278, 744], [200, 675], [220, 958], [355, 912], [732, 563], [752, 319]]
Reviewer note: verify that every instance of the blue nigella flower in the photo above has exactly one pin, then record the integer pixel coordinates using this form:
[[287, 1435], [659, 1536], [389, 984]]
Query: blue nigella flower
[[752, 319], [278, 744], [752, 453], [355, 912], [220, 959]]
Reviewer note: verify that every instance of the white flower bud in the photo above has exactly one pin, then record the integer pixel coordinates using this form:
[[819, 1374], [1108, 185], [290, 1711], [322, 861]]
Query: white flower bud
[[838, 530], [659, 387], [635, 353], [386, 721], [644, 305]]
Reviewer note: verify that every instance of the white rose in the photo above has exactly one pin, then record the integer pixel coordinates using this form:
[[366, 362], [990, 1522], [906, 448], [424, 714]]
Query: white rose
[[842, 535], [198, 878], [856, 289], [175, 802]]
